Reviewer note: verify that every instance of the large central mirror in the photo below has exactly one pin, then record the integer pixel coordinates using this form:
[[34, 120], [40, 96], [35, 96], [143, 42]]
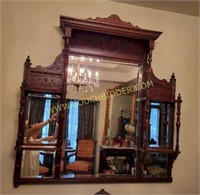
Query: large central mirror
[[92, 108]]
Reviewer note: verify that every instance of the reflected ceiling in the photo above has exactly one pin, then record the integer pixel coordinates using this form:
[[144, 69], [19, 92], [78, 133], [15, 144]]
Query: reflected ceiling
[[112, 71]]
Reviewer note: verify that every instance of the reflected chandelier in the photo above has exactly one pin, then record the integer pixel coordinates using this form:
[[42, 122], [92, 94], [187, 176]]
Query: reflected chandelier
[[79, 76]]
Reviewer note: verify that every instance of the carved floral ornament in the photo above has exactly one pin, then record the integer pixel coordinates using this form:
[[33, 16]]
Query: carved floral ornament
[[113, 19]]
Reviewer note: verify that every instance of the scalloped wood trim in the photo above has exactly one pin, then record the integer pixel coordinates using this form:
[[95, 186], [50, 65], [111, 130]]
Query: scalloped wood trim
[[114, 20], [56, 66]]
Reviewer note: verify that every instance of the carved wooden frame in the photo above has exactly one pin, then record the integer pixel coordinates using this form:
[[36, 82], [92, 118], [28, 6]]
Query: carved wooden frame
[[114, 40]]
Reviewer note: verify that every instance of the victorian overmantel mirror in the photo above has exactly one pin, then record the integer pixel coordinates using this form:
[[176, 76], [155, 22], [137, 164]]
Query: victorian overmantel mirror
[[133, 116]]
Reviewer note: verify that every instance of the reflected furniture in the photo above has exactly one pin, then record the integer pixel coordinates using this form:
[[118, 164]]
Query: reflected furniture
[[68, 151], [48, 163], [116, 152], [122, 121], [115, 40], [84, 160], [43, 170], [151, 167]]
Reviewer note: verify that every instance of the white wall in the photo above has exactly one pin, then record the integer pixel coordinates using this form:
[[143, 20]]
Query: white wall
[[31, 28]]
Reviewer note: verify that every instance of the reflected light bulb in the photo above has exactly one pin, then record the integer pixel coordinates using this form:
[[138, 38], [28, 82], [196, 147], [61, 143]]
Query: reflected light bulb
[[97, 75]]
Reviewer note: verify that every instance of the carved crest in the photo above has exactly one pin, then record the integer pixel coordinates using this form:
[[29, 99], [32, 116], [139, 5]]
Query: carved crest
[[56, 67], [113, 19]]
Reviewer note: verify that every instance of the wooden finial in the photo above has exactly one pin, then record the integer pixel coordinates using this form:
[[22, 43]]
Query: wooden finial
[[173, 78], [179, 97], [28, 59]]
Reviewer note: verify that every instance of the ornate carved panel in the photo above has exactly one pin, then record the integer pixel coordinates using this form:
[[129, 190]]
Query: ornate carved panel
[[114, 20], [112, 25], [48, 78], [109, 47], [162, 90], [39, 82]]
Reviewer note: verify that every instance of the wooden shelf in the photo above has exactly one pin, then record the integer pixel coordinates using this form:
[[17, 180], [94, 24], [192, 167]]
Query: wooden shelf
[[162, 150], [37, 147]]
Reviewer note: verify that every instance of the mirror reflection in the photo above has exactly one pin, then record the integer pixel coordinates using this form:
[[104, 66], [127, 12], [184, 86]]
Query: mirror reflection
[[119, 115], [117, 152], [37, 163], [41, 124], [41, 127], [82, 124], [159, 124], [84, 116], [80, 148], [154, 165]]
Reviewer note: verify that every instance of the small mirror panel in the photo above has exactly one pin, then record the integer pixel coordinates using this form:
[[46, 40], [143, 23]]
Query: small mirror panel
[[159, 124], [40, 108], [37, 164]]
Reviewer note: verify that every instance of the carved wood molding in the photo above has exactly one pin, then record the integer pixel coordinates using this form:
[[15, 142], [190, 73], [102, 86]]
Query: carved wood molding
[[109, 47], [55, 67], [41, 78], [114, 20], [162, 90], [112, 25], [42, 81]]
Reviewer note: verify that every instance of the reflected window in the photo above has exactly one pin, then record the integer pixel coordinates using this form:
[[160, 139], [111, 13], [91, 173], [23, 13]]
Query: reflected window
[[154, 123], [80, 124], [72, 125], [45, 129], [47, 107], [159, 124]]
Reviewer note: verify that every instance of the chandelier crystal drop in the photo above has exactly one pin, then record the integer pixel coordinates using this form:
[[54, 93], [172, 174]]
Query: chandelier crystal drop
[[80, 77]]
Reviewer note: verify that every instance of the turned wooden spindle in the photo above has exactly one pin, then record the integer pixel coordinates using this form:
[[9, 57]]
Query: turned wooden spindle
[[178, 123]]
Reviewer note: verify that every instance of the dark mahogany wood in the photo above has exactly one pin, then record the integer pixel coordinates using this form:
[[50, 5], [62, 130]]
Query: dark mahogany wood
[[114, 39], [111, 25], [107, 38], [44, 79]]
